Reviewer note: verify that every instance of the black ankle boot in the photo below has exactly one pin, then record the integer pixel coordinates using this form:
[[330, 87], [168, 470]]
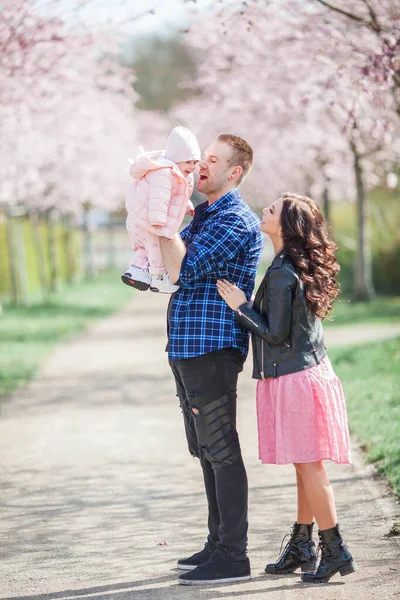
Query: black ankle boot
[[299, 552], [335, 558]]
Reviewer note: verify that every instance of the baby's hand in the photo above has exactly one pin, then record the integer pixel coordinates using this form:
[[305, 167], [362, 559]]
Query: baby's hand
[[190, 208]]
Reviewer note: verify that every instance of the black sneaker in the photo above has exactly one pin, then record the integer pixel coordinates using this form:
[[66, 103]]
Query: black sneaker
[[187, 564], [218, 569]]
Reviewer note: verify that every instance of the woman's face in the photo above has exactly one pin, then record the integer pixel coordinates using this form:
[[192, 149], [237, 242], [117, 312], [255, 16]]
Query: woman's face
[[271, 219]]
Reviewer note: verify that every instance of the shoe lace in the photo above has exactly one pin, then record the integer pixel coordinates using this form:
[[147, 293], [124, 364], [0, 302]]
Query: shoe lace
[[288, 535], [323, 548]]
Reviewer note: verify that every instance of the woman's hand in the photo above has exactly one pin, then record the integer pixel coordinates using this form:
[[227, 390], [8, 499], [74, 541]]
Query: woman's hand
[[233, 296]]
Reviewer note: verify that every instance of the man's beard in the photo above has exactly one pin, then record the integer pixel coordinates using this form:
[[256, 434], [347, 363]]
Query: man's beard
[[211, 186]]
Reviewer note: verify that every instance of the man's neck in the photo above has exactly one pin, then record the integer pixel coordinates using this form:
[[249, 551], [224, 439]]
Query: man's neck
[[213, 197]]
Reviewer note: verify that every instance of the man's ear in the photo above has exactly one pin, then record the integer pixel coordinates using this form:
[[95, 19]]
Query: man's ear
[[236, 172]]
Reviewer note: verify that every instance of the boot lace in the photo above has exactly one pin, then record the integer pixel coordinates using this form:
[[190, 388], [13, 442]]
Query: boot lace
[[288, 535], [323, 548]]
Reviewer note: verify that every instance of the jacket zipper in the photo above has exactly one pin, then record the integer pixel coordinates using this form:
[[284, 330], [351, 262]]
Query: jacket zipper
[[262, 359], [239, 312], [262, 342]]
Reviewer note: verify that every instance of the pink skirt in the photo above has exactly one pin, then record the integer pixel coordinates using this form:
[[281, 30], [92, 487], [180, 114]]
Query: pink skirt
[[302, 417]]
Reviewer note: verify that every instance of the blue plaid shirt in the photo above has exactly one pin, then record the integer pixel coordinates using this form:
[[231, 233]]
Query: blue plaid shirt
[[223, 241]]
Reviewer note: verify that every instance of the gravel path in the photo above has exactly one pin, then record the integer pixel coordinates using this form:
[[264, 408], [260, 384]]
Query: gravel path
[[100, 496]]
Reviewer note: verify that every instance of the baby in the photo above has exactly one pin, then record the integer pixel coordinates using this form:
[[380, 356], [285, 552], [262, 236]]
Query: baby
[[157, 200]]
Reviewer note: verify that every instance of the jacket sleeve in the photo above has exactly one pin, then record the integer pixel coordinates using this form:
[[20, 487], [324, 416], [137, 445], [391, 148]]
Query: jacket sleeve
[[160, 187], [274, 326], [212, 250]]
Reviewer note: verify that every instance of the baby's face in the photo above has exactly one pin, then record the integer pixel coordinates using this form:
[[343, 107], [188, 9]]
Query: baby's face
[[187, 167]]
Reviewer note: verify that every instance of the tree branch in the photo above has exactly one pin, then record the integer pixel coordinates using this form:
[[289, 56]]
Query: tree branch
[[342, 12], [374, 19], [371, 152]]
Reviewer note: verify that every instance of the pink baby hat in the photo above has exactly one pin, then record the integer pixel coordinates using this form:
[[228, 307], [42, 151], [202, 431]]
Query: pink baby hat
[[182, 145]]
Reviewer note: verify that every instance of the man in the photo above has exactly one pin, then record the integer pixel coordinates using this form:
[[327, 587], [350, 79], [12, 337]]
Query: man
[[207, 349]]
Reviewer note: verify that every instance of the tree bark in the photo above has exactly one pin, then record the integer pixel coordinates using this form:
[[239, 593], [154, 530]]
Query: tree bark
[[326, 203], [111, 244], [87, 245], [51, 249], [40, 255], [20, 257], [68, 248], [363, 282], [12, 255], [326, 208]]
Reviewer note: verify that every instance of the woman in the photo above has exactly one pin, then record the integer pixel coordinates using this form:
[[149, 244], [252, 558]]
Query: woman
[[301, 409]]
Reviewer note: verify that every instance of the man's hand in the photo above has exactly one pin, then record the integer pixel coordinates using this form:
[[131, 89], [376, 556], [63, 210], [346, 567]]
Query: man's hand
[[173, 252], [233, 296]]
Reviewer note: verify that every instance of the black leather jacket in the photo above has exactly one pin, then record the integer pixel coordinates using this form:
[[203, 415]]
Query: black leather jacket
[[287, 336]]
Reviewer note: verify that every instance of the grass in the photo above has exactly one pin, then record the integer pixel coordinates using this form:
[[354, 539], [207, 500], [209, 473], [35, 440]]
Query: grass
[[27, 334], [382, 309], [370, 375]]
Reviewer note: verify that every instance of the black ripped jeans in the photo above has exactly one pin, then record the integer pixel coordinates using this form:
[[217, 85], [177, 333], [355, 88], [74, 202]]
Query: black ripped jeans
[[207, 390]]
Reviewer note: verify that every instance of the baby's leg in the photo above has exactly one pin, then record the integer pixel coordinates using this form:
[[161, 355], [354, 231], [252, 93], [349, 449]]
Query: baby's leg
[[137, 241], [137, 275], [139, 258], [160, 281], [153, 249]]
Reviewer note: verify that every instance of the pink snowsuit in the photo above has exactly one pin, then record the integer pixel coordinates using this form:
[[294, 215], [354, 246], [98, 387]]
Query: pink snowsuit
[[156, 200]]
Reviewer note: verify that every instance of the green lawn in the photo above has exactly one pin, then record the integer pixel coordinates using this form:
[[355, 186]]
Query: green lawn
[[27, 334], [383, 309], [370, 375]]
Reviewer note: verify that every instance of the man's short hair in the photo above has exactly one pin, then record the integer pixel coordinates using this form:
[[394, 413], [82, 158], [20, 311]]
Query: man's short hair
[[242, 153]]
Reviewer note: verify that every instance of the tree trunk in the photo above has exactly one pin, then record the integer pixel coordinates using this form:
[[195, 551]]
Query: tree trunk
[[68, 248], [112, 262], [51, 249], [87, 245], [363, 283], [12, 254], [309, 180], [20, 257], [40, 255], [326, 203]]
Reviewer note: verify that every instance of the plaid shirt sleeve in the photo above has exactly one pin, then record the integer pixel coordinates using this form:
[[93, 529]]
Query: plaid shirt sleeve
[[185, 233], [213, 249]]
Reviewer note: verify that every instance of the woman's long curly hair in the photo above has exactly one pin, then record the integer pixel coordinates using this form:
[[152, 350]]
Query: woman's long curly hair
[[307, 240]]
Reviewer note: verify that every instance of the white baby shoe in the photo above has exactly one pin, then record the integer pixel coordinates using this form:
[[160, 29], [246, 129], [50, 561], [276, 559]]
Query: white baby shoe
[[162, 284], [137, 278]]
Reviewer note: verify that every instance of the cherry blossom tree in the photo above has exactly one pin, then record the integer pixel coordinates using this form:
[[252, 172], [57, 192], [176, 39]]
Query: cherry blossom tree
[[65, 112], [67, 119], [374, 37], [296, 86]]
